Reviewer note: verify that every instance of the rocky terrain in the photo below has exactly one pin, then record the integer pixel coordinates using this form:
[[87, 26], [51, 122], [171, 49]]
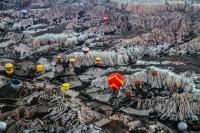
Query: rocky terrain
[[154, 44]]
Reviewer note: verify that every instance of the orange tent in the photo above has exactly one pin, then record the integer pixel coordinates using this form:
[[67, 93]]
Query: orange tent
[[115, 81]]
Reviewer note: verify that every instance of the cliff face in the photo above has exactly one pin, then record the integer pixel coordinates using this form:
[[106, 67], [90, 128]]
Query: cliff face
[[152, 6], [162, 22], [171, 23]]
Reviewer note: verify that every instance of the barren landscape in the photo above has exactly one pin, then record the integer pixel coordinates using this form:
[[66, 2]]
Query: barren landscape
[[99, 66]]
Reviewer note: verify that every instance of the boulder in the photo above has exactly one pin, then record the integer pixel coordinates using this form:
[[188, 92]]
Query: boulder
[[102, 122], [71, 93], [84, 78], [101, 97], [76, 84]]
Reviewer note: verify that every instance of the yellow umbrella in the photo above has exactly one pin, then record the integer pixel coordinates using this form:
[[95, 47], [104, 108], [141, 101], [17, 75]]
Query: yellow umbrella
[[65, 86], [9, 68], [72, 60], [178, 84], [39, 68], [98, 60]]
